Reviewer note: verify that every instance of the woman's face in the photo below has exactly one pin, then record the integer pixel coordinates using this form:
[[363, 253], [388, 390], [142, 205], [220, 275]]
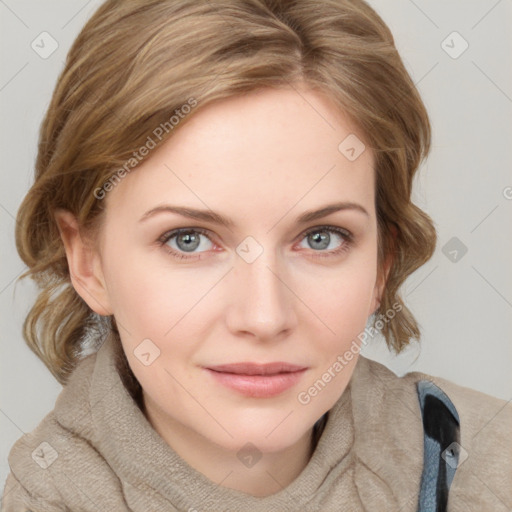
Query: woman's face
[[276, 283]]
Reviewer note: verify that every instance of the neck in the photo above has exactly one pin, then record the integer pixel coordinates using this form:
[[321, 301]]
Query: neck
[[273, 472]]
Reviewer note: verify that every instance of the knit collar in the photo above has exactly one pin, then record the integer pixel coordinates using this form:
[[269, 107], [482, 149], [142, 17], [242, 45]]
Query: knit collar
[[140, 457], [370, 452]]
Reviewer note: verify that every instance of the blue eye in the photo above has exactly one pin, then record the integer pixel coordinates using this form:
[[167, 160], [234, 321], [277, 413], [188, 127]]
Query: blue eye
[[185, 241], [319, 238]]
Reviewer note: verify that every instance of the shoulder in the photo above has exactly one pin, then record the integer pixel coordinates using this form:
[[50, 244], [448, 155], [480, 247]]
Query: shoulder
[[480, 415], [484, 471], [476, 409], [29, 482], [45, 462]]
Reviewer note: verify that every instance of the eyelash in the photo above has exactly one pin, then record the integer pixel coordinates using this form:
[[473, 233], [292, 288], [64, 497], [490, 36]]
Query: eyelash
[[346, 235]]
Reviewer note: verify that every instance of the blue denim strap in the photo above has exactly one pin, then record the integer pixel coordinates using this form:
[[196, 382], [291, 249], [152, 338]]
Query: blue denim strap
[[441, 446]]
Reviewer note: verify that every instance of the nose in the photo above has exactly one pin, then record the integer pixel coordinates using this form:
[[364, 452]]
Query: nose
[[261, 299]]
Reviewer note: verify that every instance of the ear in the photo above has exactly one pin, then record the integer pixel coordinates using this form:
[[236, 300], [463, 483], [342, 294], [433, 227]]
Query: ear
[[84, 264], [380, 284]]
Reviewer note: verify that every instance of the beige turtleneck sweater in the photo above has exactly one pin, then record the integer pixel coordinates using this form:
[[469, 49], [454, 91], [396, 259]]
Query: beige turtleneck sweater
[[96, 451]]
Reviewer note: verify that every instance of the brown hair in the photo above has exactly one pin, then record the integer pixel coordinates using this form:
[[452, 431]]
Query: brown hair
[[136, 63]]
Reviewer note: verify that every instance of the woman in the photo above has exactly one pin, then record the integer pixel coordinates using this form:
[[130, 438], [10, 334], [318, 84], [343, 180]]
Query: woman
[[222, 201]]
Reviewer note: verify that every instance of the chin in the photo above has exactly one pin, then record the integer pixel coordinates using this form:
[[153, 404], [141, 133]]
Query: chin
[[268, 432]]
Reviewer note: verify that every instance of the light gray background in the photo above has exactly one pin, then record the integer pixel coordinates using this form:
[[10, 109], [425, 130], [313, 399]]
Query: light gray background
[[464, 307]]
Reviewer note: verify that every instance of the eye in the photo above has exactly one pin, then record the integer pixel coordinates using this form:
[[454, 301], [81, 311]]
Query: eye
[[320, 238], [182, 241]]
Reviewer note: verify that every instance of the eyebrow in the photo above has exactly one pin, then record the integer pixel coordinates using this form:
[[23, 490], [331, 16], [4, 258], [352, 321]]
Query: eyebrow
[[217, 218]]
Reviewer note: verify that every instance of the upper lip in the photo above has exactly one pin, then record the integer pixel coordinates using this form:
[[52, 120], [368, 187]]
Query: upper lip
[[248, 368]]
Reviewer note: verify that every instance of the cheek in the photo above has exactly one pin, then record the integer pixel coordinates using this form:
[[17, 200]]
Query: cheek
[[148, 296], [342, 300], [343, 309], [163, 304], [343, 306]]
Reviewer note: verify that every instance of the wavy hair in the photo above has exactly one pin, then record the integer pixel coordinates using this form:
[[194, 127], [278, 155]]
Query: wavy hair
[[120, 82]]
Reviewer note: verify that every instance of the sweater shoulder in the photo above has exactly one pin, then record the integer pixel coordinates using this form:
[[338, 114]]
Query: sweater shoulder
[[50, 447], [24, 496], [31, 459], [484, 472], [474, 405], [477, 410]]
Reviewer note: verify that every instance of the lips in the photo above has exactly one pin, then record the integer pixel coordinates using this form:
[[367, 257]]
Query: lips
[[257, 380], [257, 369]]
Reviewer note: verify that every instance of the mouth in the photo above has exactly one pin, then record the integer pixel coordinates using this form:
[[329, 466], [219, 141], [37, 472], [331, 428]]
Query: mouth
[[257, 380]]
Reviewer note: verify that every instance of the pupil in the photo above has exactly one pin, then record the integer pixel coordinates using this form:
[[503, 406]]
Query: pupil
[[189, 240], [321, 238]]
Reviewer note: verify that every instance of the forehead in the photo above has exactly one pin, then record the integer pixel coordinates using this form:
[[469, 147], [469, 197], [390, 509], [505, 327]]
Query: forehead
[[264, 151]]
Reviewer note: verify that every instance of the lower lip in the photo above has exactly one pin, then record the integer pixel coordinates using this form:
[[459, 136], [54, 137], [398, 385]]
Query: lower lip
[[258, 386]]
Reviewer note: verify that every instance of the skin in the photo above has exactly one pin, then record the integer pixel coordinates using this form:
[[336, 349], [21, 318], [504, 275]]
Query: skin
[[262, 159]]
